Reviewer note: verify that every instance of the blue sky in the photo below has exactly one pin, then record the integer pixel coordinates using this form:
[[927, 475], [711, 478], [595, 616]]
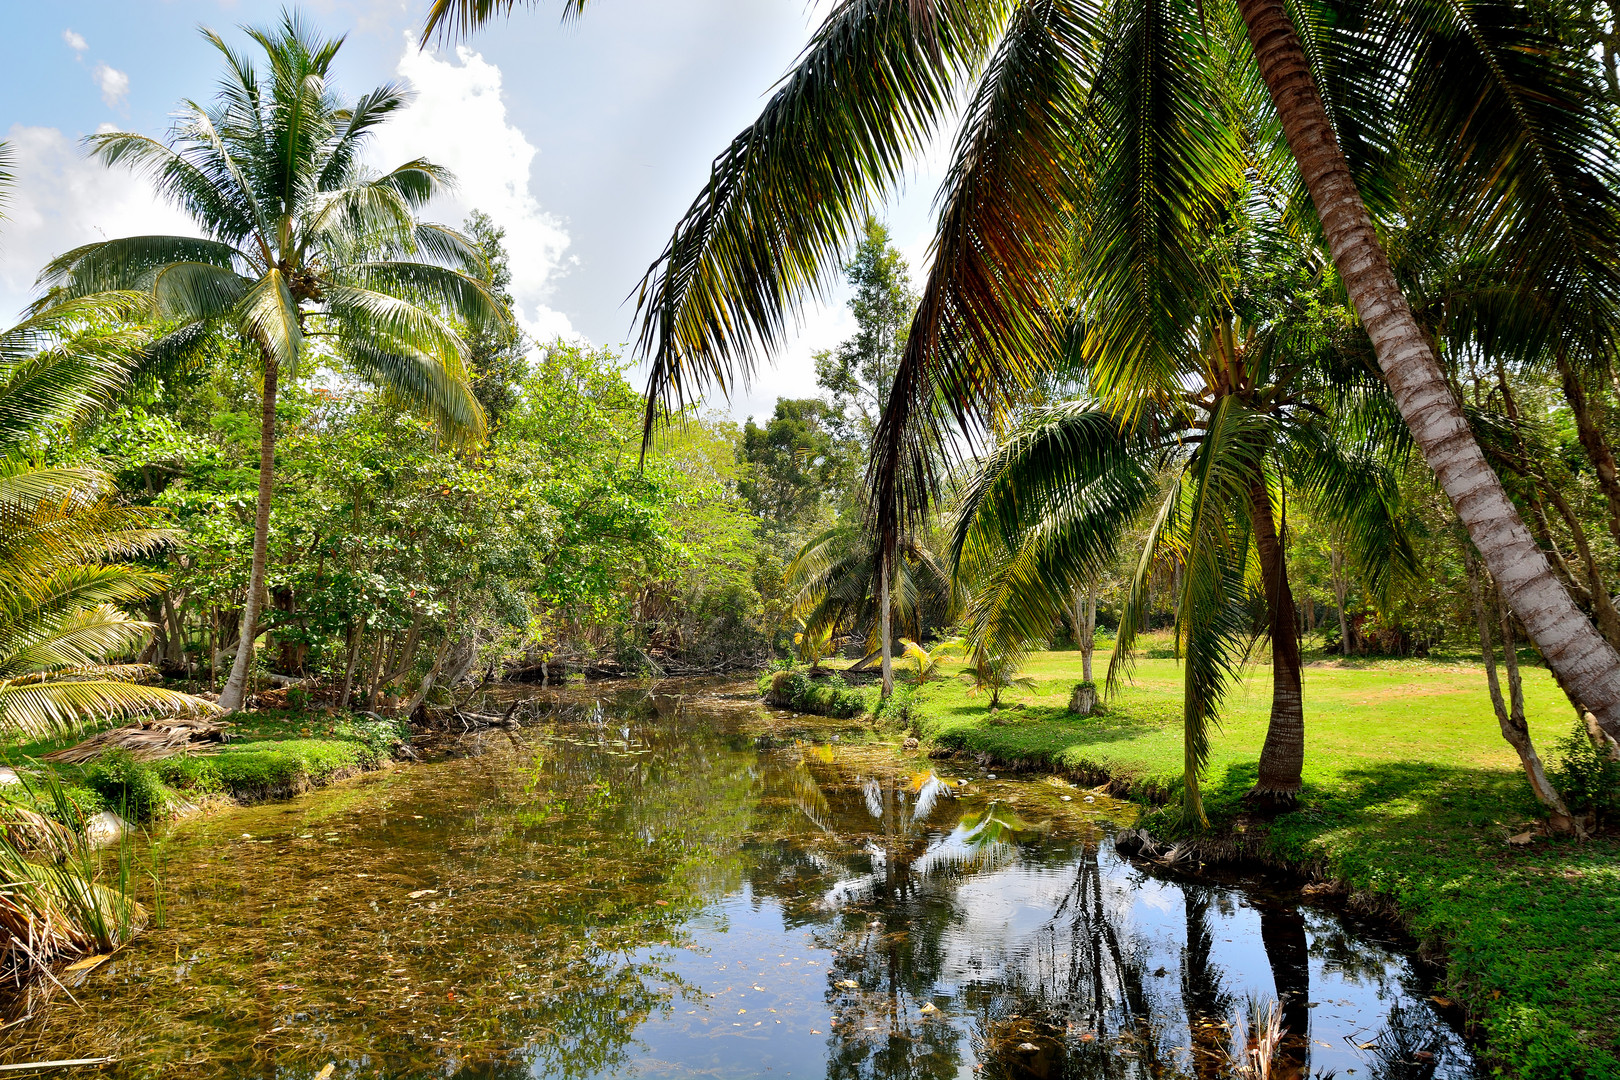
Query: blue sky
[[585, 140]]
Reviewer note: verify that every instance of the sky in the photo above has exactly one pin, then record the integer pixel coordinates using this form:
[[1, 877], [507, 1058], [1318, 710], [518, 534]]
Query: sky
[[585, 140]]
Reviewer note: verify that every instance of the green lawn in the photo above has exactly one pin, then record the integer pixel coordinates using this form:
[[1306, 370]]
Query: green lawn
[[1410, 796]]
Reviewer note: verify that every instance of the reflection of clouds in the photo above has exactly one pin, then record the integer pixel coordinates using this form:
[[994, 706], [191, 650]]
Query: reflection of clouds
[[1159, 896]]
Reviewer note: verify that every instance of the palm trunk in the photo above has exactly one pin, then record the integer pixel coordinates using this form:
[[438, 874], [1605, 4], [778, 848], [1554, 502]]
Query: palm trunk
[[1568, 641], [884, 627], [1282, 759], [1083, 616], [1512, 723], [235, 692]]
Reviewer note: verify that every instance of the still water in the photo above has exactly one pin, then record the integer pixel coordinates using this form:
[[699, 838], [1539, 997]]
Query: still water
[[673, 884]]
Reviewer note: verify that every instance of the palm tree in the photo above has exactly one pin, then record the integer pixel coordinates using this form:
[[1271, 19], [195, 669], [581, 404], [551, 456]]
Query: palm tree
[[58, 619], [300, 240], [1106, 109], [993, 669], [835, 582], [928, 661], [1044, 512], [59, 602]]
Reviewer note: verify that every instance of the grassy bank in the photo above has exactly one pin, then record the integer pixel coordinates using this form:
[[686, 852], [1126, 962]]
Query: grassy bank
[[1411, 795], [272, 755]]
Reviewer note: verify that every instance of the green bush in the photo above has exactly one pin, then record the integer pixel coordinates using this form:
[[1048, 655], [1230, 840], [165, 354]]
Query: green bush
[[902, 709], [131, 787], [831, 696], [1585, 777]]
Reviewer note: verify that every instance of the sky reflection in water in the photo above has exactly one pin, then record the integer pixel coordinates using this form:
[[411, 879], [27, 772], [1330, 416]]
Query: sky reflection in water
[[630, 887]]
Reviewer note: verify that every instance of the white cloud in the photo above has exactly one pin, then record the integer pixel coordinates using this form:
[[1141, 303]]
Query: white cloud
[[75, 42], [62, 200], [114, 84], [459, 120]]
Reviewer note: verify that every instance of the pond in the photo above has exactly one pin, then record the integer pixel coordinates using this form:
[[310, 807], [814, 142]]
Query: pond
[[669, 882]]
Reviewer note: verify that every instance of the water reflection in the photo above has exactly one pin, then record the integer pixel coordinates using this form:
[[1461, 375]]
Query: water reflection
[[631, 886]]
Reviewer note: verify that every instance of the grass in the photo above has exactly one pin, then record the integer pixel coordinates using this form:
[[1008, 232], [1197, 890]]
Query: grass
[[273, 755], [1410, 796]]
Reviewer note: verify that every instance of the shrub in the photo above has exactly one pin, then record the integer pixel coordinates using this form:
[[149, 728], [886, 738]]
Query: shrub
[[902, 709], [1588, 780], [131, 787], [379, 736], [824, 697]]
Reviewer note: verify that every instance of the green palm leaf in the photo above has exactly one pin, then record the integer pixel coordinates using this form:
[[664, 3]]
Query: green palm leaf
[[785, 200]]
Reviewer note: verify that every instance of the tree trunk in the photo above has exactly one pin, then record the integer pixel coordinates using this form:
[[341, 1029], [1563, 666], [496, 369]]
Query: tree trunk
[[235, 692], [1604, 743], [1590, 431], [1282, 759], [884, 619], [1341, 593], [1567, 639], [374, 677], [174, 629], [357, 638], [1608, 620], [1087, 630], [1512, 723], [423, 690]]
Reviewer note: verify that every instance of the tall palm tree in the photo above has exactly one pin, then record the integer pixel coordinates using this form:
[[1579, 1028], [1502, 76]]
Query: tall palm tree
[[300, 240], [1105, 107], [835, 582], [1044, 512]]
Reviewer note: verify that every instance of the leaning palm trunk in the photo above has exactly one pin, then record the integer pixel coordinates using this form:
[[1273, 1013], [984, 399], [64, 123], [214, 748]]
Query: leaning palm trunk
[[235, 693], [1585, 663], [1282, 759]]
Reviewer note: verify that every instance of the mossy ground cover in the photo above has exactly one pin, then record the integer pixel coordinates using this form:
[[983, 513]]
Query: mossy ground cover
[[272, 755], [1411, 794]]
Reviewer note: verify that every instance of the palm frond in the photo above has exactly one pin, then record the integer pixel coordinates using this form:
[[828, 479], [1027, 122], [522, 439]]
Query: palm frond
[[987, 322], [270, 317], [420, 380], [452, 19], [41, 707], [785, 199], [132, 263]]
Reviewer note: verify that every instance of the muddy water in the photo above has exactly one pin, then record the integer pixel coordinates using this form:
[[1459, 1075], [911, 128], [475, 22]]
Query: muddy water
[[631, 886]]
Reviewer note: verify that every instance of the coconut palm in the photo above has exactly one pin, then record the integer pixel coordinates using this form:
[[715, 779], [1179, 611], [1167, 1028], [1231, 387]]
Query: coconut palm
[[1106, 108], [300, 241], [929, 661], [58, 619], [60, 599], [1044, 512], [834, 582], [993, 669]]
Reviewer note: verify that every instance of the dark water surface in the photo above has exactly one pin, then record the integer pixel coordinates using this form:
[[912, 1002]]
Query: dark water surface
[[629, 886]]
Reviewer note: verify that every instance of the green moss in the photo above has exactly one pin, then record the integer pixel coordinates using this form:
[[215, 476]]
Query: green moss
[[1410, 796], [268, 769]]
